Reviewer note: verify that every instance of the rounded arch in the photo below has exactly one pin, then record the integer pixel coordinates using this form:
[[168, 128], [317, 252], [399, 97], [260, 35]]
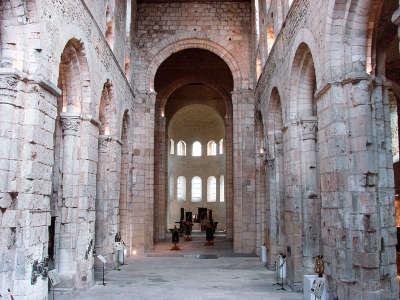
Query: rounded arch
[[164, 95], [302, 83], [74, 79], [204, 44], [306, 37], [125, 125], [105, 110], [352, 28], [274, 115]]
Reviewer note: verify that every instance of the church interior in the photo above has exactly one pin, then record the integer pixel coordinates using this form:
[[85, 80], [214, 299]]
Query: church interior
[[199, 149]]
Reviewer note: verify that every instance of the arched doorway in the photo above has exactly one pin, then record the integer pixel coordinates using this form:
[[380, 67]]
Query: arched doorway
[[197, 83]]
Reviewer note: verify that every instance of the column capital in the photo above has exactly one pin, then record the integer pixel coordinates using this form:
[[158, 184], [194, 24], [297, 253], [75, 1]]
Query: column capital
[[309, 127], [70, 124], [8, 85], [106, 140]]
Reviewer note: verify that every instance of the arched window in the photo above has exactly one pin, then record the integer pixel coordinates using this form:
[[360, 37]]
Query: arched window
[[181, 148], [171, 147], [196, 148], [212, 189], [196, 189], [181, 188], [221, 189], [221, 146], [211, 148]]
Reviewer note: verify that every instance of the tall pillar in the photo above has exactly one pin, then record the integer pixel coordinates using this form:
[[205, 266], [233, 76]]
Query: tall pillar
[[107, 194], [69, 212], [228, 177], [244, 226], [311, 201], [161, 177], [358, 233], [143, 164]]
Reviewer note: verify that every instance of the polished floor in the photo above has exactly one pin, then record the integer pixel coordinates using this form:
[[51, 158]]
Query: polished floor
[[195, 272]]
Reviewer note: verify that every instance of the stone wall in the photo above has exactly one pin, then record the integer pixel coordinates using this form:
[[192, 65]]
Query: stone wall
[[335, 163], [34, 100], [224, 29]]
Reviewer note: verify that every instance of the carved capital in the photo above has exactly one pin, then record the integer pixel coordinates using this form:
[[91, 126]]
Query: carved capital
[[309, 128], [70, 124], [8, 85], [104, 140]]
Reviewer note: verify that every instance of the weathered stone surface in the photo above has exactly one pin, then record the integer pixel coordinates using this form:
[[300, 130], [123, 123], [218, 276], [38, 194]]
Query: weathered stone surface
[[310, 129]]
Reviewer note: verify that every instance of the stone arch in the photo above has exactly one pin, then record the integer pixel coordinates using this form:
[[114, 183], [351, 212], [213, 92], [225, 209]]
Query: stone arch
[[164, 94], [106, 109], [351, 30], [302, 83], [189, 43], [305, 40], [70, 165], [74, 79], [304, 107]]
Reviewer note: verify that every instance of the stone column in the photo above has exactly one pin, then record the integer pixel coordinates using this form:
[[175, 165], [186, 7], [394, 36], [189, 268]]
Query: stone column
[[228, 177], [143, 164], [68, 222], [161, 178], [276, 192], [244, 228], [311, 201], [107, 194], [291, 205]]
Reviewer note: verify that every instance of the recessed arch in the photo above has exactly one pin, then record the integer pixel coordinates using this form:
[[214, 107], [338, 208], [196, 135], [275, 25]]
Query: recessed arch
[[352, 26], [302, 83], [193, 44], [105, 111], [74, 80]]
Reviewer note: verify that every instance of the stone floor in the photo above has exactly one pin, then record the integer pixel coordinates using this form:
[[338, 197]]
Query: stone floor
[[182, 275]]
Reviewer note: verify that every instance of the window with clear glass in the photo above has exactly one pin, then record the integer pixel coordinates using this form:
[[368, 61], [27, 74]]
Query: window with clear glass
[[211, 148], [196, 148], [181, 148], [181, 188], [211, 189], [221, 146], [171, 147], [221, 189], [196, 189]]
